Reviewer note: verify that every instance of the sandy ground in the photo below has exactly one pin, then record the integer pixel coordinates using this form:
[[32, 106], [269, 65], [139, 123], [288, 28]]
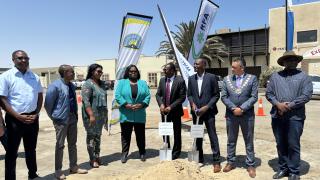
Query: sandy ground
[[265, 149]]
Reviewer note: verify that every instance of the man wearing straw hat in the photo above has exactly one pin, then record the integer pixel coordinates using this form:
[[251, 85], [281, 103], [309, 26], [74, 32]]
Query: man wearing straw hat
[[288, 91]]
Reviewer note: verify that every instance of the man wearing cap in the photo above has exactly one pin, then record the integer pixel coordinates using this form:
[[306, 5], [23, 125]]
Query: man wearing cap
[[288, 91], [239, 94]]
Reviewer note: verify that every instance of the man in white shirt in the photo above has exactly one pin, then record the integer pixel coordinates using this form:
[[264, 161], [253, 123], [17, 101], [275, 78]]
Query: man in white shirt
[[21, 98], [203, 94]]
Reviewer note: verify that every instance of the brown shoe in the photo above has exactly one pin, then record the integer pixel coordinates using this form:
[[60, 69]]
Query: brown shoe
[[216, 168], [228, 168], [252, 171]]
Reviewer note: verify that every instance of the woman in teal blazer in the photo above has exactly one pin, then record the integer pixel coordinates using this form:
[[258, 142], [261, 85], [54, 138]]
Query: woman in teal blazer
[[133, 96]]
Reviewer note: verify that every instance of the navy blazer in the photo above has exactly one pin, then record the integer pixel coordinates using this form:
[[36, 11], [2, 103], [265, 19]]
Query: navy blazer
[[209, 94]]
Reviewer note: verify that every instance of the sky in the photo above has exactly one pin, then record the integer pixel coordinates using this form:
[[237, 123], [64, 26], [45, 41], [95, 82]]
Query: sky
[[77, 32]]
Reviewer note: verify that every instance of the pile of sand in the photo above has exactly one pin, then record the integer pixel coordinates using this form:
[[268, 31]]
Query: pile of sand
[[169, 170]]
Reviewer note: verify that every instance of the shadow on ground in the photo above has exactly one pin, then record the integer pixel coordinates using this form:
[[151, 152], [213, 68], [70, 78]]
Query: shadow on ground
[[304, 166]]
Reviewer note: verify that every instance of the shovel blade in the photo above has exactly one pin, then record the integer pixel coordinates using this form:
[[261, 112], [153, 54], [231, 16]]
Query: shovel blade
[[193, 156], [165, 154]]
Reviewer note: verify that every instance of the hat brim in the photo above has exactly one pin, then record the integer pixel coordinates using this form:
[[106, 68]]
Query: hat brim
[[284, 58]]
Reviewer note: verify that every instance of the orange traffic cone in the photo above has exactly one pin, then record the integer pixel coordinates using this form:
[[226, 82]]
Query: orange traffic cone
[[186, 115], [260, 109]]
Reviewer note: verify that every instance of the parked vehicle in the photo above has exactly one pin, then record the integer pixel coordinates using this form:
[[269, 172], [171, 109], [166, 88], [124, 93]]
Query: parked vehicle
[[316, 84]]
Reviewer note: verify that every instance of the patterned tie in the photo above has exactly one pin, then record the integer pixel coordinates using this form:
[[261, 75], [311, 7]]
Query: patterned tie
[[168, 92], [238, 81]]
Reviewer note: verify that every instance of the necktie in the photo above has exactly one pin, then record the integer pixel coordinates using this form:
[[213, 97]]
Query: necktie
[[168, 92], [238, 81]]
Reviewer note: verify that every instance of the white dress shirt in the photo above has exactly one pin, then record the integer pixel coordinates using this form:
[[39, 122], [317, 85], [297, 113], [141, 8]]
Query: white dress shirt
[[199, 81]]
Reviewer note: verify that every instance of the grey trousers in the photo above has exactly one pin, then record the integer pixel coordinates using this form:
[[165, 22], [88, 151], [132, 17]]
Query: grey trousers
[[68, 130], [247, 128]]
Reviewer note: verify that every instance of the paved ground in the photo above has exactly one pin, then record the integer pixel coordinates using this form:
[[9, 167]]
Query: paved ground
[[111, 146]]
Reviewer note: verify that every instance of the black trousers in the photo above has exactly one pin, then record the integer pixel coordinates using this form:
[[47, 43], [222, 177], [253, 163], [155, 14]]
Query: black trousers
[[126, 131], [287, 134], [16, 131], [4, 139], [176, 119], [214, 142]]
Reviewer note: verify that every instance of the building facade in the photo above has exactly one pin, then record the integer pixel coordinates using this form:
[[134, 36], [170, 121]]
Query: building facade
[[306, 34]]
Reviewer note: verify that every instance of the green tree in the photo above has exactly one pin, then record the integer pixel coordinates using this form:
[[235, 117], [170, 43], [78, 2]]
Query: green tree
[[213, 48]]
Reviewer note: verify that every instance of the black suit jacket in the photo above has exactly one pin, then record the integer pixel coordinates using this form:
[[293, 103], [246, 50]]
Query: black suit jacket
[[177, 94], [209, 94]]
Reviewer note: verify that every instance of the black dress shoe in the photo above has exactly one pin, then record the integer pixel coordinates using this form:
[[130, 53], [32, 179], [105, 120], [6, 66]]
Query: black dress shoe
[[142, 157], [124, 158], [280, 174], [293, 177]]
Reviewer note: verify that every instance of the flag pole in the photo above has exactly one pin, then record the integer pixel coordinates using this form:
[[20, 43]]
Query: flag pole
[[286, 24]]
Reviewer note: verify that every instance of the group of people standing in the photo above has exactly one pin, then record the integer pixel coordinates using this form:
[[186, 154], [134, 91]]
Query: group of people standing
[[21, 97]]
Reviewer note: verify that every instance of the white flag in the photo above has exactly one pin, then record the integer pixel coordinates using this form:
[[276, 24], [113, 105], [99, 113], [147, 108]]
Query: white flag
[[204, 21]]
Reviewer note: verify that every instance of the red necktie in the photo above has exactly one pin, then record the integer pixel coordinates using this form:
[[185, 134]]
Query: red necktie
[[168, 92]]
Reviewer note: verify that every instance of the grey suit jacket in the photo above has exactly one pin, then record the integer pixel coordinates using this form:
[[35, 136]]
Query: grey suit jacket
[[244, 97], [209, 94]]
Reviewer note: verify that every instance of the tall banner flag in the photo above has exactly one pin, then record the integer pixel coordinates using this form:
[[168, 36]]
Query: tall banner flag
[[185, 67], [289, 25], [134, 31], [207, 13], [133, 35]]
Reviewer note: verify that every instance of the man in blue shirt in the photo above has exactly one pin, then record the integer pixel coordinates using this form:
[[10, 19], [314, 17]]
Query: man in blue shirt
[[61, 106], [288, 91], [21, 98]]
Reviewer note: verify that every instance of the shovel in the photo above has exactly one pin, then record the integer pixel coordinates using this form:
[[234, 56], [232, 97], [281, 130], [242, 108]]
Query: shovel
[[165, 152], [193, 155]]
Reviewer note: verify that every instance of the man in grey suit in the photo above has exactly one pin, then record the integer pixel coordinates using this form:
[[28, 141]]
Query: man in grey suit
[[170, 96], [239, 94], [203, 94]]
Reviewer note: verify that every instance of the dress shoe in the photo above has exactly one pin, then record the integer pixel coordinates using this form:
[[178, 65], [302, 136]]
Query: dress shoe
[[280, 174], [252, 171], [216, 168], [142, 157], [94, 164], [99, 161], [293, 177], [228, 168], [59, 175], [124, 158], [77, 170]]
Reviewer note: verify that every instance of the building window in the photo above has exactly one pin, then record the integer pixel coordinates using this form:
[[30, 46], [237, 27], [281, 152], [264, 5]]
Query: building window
[[152, 79], [105, 77], [307, 36]]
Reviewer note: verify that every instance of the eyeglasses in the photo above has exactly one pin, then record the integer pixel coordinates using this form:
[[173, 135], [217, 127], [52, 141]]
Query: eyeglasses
[[99, 71], [22, 58], [133, 71]]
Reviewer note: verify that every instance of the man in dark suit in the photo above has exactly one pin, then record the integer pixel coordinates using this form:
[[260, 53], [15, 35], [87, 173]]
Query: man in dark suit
[[203, 94], [170, 96]]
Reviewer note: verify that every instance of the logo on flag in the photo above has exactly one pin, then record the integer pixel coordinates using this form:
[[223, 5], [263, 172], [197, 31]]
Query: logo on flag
[[132, 41]]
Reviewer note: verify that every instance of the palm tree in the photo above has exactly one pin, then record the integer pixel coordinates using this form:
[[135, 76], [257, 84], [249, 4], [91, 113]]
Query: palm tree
[[213, 49]]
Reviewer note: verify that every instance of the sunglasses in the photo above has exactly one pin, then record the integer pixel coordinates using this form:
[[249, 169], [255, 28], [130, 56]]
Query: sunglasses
[[99, 71], [23, 58]]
